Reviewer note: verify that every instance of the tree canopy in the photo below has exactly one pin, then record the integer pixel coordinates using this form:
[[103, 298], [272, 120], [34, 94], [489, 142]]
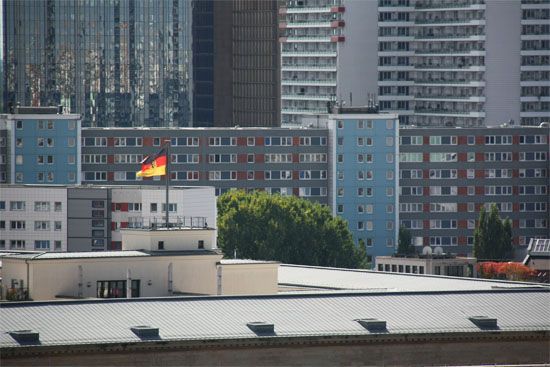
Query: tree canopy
[[492, 236], [404, 243], [285, 228]]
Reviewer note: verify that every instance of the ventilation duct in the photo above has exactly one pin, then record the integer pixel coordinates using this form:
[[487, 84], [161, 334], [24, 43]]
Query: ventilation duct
[[261, 327], [25, 336], [373, 325], [484, 322], [146, 332]]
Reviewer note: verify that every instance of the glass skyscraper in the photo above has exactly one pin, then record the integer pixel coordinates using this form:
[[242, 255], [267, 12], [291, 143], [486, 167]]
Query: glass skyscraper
[[115, 62]]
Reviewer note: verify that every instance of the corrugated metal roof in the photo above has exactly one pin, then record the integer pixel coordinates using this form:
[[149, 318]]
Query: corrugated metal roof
[[335, 278], [313, 314]]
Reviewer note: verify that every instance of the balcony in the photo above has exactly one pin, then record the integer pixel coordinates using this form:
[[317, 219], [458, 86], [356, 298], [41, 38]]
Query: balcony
[[451, 67], [309, 54], [306, 97], [320, 82], [308, 39], [298, 111], [305, 67], [453, 5], [304, 9], [460, 82], [450, 52], [474, 99], [421, 22], [306, 24], [443, 112], [453, 37]]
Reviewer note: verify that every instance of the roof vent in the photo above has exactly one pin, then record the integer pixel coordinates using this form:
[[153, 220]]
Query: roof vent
[[484, 322], [373, 325], [25, 336], [146, 332], [261, 327]]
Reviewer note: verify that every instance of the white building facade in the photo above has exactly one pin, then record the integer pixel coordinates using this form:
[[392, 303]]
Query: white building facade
[[325, 46]]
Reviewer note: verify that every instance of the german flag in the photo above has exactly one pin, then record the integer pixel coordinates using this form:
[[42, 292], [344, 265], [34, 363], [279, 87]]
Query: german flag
[[153, 165]]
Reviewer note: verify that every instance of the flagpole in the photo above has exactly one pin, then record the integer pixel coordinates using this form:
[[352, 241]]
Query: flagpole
[[168, 158]]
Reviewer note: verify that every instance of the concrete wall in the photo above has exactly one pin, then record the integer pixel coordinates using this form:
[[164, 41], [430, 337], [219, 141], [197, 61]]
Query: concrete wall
[[174, 240], [502, 76], [357, 55], [435, 349], [249, 278], [51, 278]]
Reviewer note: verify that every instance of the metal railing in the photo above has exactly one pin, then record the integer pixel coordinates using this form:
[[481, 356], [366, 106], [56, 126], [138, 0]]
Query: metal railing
[[153, 223]]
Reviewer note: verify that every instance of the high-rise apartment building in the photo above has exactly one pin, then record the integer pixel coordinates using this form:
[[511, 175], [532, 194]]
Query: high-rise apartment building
[[326, 47], [116, 63], [464, 62], [535, 62], [236, 63]]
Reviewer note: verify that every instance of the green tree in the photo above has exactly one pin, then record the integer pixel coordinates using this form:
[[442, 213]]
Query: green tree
[[492, 236], [404, 242], [285, 228]]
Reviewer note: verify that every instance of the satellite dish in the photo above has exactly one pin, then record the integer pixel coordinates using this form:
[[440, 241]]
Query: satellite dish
[[438, 250], [427, 250]]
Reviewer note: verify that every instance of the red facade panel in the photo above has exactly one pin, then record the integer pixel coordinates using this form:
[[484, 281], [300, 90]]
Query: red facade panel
[[426, 157], [110, 142], [110, 159], [110, 176], [426, 225], [426, 191], [295, 191], [462, 223], [241, 141], [462, 157], [241, 158], [462, 207], [426, 140], [461, 173], [147, 141], [259, 158], [123, 207], [123, 224], [295, 158], [295, 141], [260, 140], [259, 175], [241, 175], [480, 157], [480, 173], [480, 190], [462, 191], [426, 207], [462, 140], [480, 140]]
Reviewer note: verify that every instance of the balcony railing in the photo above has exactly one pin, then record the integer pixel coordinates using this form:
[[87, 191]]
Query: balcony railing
[[446, 21], [457, 4], [160, 222], [308, 82]]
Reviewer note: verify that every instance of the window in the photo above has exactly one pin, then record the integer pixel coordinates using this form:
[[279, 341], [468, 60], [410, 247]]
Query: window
[[94, 142], [251, 141], [389, 157], [57, 206], [389, 191], [471, 140], [71, 141], [95, 176], [49, 142], [17, 244], [498, 190], [443, 157], [117, 288], [18, 159], [442, 224], [220, 158], [278, 141], [98, 223], [42, 245], [222, 175], [250, 158], [443, 190], [410, 157], [532, 156], [17, 205], [389, 124], [340, 208], [411, 140], [389, 141], [134, 207], [533, 139], [19, 176], [41, 206], [19, 124], [498, 140], [443, 207], [19, 143], [443, 140], [172, 207], [100, 159], [39, 142], [498, 157], [41, 225], [370, 225], [278, 158], [471, 173], [57, 245], [17, 225], [189, 141], [153, 207]]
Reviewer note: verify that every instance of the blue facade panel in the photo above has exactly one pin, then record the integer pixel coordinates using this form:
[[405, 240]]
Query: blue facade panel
[[46, 151], [366, 173]]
